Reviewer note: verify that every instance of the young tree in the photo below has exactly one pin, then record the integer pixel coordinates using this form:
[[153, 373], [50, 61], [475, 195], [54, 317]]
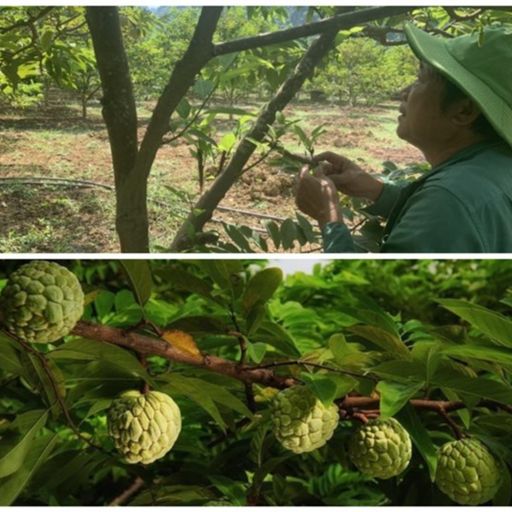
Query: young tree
[[132, 164]]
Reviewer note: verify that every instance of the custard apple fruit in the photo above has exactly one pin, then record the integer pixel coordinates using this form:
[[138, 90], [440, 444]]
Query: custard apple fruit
[[380, 448], [144, 426], [41, 302], [300, 421], [467, 472]]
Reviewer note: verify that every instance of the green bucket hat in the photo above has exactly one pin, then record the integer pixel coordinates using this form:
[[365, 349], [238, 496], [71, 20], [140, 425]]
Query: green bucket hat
[[481, 67]]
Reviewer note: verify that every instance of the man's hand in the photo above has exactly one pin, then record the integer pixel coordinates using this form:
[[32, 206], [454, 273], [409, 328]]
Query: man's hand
[[317, 197], [348, 177]]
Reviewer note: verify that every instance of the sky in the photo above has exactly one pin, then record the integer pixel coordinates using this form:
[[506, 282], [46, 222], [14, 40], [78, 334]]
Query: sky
[[290, 266]]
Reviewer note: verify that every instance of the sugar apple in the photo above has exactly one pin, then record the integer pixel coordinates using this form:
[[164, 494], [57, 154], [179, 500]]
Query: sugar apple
[[467, 472], [144, 426], [41, 302], [380, 448], [300, 421]]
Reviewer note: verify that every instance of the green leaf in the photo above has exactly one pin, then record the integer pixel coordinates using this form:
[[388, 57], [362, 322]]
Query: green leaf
[[322, 387], [384, 339], [48, 379], [238, 237], [221, 271], [500, 356], [288, 233], [261, 287], [478, 387], [504, 494], [12, 486], [255, 317], [256, 352], [203, 88], [15, 453], [274, 335], [206, 395], [89, 350], [400, 371], [227, 142], [103, 303], [141, 281], [183, 108], [411, 421], [491, 323], [9, 359], [395, 395], [273, 231]]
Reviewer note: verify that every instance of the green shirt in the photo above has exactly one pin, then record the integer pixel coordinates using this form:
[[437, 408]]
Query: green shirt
[[463, 205]]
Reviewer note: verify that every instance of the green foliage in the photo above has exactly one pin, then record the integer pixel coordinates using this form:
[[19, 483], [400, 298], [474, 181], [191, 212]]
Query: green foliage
[[391, 331]]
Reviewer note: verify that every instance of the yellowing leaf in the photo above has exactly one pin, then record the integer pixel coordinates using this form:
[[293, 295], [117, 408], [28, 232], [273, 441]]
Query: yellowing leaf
[[182, 341]]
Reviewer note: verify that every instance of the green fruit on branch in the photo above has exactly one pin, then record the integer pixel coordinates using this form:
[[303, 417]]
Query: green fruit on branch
[[467, 472], [144, 426], [300, 421], [380, 448], [41, 302]]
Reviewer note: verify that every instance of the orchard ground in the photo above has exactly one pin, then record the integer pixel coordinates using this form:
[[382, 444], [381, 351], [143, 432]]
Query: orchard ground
[[68, 217]]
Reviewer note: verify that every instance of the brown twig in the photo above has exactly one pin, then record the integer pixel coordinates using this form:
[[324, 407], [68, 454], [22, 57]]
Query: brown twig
[[136, 485], [148, 345], [298, 362]]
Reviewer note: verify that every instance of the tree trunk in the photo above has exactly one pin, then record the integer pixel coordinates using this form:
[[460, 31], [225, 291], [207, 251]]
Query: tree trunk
[[132, 168], [120, 115]]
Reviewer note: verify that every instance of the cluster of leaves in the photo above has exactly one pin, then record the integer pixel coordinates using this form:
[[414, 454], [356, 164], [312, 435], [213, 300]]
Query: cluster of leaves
[[368, 326]]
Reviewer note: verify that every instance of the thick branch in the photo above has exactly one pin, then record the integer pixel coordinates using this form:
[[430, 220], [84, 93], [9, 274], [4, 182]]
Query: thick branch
[[146, 345], [339, 22], [202, 212]]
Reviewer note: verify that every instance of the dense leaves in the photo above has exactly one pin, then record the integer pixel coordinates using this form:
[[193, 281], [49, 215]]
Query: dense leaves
[[408, 338]]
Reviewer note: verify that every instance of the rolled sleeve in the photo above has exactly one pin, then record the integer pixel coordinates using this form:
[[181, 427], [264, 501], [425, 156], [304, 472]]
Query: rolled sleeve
[[386, 201], [337, 238]]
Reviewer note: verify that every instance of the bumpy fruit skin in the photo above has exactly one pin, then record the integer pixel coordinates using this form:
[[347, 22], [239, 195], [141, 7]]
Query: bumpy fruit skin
[[144, 426], [380, 448], [301, 422], [467, 472], [41, 302]]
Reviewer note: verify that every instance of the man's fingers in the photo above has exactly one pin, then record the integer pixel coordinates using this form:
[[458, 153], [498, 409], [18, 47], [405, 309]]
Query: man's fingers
[[328, 156], [303, 172]]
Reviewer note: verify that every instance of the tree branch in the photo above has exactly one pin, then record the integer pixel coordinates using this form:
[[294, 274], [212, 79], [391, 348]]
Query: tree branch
[[202, 211], [28, 22], [137, 484], [349, 405], [338, 22], [146, 345]]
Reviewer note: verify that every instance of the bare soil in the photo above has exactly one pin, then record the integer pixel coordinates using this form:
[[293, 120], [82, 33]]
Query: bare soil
[[57, 143]]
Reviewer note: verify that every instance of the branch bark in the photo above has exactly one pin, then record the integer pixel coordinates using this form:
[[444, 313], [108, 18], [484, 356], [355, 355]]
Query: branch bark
[[338, 22], [147, 345]]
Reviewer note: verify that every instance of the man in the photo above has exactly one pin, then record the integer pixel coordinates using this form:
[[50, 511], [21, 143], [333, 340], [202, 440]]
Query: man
[[459, 114]]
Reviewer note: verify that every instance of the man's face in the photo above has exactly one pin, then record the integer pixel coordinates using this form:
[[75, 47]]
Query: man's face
[[422, 122]]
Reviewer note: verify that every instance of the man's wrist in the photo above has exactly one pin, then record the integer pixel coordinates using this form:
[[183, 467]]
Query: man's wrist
[[334, 214]]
